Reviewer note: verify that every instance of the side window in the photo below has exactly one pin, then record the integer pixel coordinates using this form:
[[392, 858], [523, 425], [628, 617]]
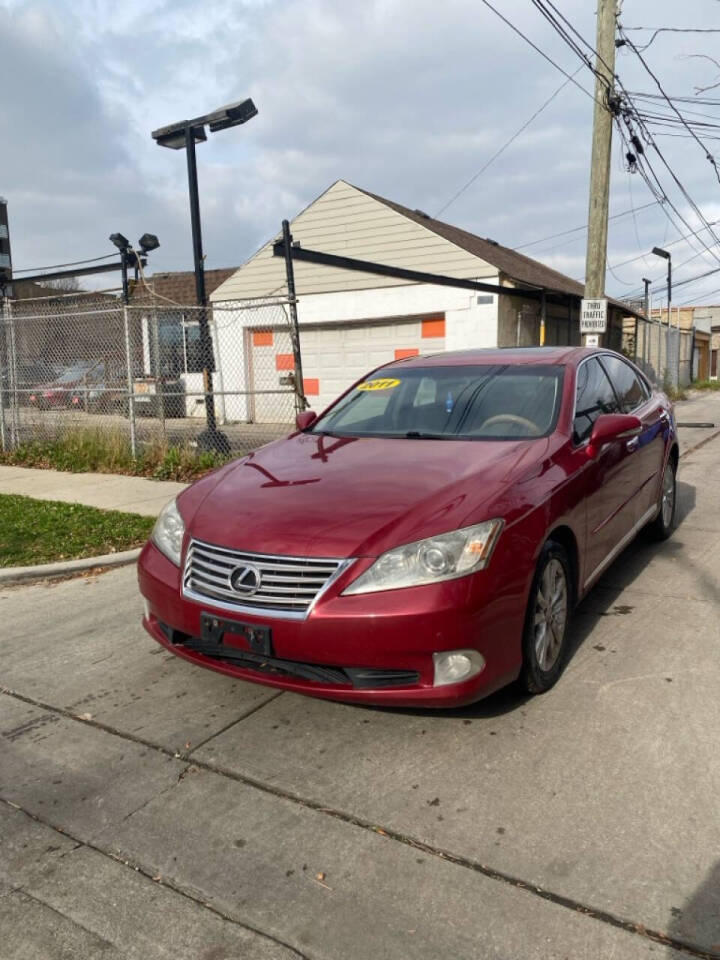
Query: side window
[[593, 396], [629, 387]]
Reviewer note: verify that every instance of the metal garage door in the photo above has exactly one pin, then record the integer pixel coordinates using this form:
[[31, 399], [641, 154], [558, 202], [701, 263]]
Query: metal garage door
[[334, 356]]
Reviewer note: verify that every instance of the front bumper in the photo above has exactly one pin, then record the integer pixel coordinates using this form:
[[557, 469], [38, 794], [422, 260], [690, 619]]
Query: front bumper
[[390, 636]]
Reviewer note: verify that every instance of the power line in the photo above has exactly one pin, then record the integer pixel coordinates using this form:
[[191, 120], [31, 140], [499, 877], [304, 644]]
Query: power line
[[708, 155], [552, 19], [554, 236], [700, 296], [57, 266], [504, 147], [536, 48], [658, 30], [658, 191], [573, 44]]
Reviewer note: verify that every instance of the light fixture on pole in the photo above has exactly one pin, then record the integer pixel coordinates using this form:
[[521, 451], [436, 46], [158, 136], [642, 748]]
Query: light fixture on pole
[[128, 256], [659, 252], [177, 136]]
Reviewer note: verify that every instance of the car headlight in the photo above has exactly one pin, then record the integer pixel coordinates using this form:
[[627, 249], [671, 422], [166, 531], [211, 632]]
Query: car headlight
[[444, 557], [168, 532]]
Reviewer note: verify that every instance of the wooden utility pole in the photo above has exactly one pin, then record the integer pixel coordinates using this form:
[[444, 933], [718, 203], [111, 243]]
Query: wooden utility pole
[[596, 257]]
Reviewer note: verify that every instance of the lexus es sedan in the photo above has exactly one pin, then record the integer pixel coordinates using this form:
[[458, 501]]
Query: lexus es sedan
[[425, 539]]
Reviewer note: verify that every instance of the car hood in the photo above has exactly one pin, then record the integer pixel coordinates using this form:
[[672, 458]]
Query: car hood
[[311, 495]]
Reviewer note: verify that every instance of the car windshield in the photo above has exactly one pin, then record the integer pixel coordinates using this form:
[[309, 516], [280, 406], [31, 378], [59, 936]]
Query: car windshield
[[498, 402], [77, 373]]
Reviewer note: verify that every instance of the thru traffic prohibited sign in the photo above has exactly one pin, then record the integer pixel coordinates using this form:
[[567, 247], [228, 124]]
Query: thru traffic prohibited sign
[[593, 316]]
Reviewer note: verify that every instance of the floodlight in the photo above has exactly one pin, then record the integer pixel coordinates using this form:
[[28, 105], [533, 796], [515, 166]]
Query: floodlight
[[173, 136], [148, 242], [231, 115], [121, 242]]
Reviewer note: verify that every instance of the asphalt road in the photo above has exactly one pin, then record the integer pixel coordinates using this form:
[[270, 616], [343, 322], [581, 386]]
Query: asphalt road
[[152, 809]]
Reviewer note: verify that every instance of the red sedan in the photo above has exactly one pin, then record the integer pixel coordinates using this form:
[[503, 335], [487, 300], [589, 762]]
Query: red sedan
[[423, 541]]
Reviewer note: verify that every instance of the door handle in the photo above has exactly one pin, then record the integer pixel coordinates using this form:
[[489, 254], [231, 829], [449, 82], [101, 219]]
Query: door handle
[[632, 444]]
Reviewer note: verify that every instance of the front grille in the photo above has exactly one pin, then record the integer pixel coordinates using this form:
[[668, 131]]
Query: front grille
[[288, 585]]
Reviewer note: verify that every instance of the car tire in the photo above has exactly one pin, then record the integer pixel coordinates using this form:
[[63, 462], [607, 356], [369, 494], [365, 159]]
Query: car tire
[[664, 523], [545, 639]]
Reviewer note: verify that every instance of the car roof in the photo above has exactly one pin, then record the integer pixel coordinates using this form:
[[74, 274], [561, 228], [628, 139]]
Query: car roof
[[512, 356]]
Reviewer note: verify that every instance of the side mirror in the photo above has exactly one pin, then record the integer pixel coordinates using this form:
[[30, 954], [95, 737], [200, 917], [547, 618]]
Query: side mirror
[[613, 426], [305, 419]]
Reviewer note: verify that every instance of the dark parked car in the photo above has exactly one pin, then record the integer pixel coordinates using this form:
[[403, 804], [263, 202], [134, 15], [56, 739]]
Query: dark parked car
[[60, 391], [28, 374], [152, 398], [422, 542]]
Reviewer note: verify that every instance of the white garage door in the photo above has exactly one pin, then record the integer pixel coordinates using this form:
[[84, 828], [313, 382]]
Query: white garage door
[[335, 356]]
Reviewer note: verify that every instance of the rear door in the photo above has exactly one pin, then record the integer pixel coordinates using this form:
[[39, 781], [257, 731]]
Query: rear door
[[648, 450], [610, 507]]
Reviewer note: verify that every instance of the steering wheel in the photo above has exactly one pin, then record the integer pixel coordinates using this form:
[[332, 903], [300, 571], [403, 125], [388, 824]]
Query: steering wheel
[[513, 418]]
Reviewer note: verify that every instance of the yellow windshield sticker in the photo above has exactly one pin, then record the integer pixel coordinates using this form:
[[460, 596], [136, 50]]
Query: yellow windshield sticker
[[381, 384]]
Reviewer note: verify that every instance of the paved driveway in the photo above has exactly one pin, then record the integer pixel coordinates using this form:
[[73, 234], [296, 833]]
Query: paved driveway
[[152, 809]]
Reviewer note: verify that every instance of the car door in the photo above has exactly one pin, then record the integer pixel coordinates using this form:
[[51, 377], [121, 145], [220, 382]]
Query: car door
[[609, 503], [635, 396]]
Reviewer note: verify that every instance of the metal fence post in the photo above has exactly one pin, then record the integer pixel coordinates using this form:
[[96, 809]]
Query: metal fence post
[[12, 383], [131, 394], [3, 379], [294, 327], [156, 366]]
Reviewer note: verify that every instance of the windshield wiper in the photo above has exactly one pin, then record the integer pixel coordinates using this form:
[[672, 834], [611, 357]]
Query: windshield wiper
[[417, 435]]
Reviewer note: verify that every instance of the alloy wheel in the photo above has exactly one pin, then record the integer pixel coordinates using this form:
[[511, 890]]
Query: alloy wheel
[[668, 495], [550, 614]]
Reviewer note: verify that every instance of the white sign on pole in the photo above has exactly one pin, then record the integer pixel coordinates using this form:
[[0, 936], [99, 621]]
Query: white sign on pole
[[593, 316], [592, 340]]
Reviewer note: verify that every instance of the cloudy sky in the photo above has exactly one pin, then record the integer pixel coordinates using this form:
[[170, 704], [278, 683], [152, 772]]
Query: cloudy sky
[[407, 98]]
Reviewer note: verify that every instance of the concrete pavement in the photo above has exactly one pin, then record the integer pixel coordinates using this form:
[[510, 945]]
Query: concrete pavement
[[107, 491], [152, 809]]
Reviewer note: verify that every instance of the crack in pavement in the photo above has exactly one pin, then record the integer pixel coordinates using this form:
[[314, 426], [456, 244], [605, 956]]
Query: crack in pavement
[[139, 868], [76, 923], [448, 856], [232, 723]]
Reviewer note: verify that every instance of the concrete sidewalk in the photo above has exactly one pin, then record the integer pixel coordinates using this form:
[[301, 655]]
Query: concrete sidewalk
[[108, 491]]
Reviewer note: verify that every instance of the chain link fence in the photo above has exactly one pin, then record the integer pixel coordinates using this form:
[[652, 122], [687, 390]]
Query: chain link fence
[[89, 362], [664, 355]]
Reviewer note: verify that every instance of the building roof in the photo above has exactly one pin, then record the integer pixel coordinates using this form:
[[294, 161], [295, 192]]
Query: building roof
[[513, 264], [350, 222], [179, 286]]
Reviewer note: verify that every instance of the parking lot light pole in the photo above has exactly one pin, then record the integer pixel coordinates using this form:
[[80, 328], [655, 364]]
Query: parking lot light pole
[[659, 252], [128, 257], [183, 136]]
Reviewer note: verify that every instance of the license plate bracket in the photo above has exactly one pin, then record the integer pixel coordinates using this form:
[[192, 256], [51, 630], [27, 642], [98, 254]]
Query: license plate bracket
[[258, 638]]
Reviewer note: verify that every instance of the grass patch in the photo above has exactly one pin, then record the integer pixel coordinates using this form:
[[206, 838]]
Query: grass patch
[[675, 393], [42, 531], [706, 385], [108, 451]]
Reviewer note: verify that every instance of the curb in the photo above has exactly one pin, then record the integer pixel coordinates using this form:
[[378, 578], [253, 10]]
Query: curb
[[700, 443], [64, 568]]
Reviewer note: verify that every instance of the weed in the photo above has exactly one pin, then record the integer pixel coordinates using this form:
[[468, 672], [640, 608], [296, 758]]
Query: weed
[[107, 451]]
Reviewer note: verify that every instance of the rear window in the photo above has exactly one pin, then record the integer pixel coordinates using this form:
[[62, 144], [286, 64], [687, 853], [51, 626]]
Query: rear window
[[482, 402]]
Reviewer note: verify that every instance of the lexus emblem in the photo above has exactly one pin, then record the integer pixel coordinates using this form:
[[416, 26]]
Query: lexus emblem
[[245, 580]]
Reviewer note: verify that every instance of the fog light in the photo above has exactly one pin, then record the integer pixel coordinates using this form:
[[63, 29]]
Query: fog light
[[147, 608], [453, 666]]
